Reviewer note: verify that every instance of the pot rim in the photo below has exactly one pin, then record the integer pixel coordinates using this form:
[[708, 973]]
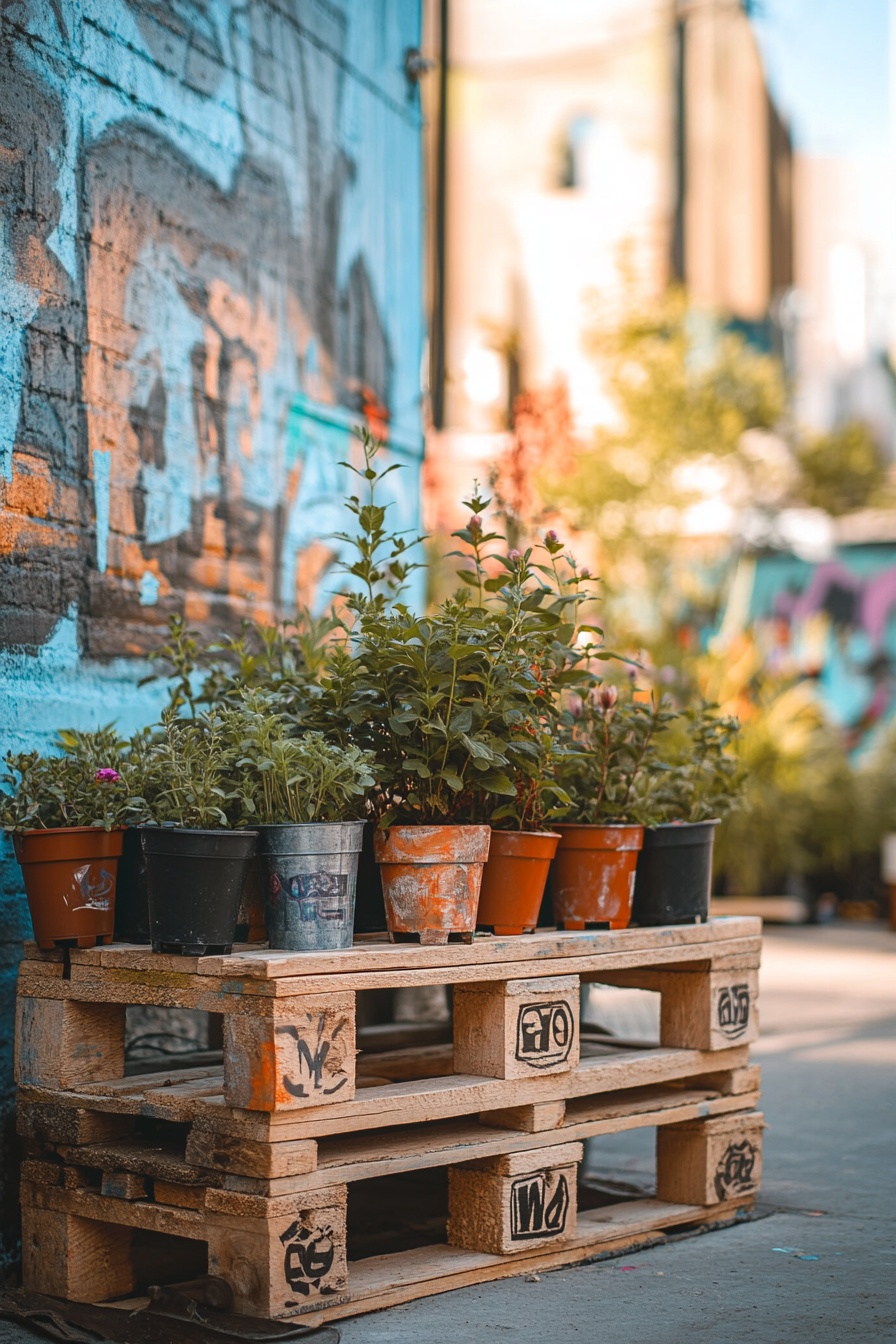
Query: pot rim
[[157, 828], [303, 825], [601, 826], [684, 825], [67, 830], [506, 830]]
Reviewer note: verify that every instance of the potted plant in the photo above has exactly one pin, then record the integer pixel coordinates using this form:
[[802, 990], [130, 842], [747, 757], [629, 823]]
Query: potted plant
[[446, 703], [305, 797], [696, 786], [606, 764], [196, 862], [67, 815], [521, 849]]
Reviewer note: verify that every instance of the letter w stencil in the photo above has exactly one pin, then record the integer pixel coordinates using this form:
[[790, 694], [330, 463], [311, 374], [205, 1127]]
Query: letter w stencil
[[532, 1214]]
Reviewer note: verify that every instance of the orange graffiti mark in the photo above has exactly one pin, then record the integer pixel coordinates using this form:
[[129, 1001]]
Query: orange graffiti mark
[[19, 532], [264, 1092]]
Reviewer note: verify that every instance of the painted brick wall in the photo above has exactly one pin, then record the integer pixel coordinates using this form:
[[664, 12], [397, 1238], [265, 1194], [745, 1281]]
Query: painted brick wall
[[210, 268]]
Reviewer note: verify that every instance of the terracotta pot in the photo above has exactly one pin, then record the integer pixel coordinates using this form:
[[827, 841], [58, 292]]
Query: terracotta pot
[[593, 875], [70, 877], [513, 880], [431, 879]]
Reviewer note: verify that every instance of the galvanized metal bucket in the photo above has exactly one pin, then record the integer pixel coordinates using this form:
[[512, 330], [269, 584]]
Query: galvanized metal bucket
[[310, 876]]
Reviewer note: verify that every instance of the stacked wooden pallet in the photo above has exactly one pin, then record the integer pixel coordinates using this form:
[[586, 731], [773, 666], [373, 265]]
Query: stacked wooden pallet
[[279, 1170]]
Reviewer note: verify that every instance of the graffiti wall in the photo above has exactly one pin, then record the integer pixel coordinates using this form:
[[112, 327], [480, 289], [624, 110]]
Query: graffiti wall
[[209, 272]]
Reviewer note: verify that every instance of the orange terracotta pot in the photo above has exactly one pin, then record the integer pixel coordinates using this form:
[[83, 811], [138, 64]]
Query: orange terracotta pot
[[70, 876], [431, 879], [593, 875], [514, 879]]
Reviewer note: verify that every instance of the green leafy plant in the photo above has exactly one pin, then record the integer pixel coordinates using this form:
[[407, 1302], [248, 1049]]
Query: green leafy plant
[[608, 763], [454, 705], [696, 774], [187, 770], [281, 779], [49, 792]]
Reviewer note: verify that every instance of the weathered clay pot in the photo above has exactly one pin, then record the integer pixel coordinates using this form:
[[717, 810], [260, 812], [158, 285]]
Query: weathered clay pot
[[431, 879], [70, 875], [593, 875], [513, 880]]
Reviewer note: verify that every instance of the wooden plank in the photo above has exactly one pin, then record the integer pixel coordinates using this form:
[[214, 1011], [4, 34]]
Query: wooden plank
[[241, 995], [246, 1157], [124, 1185], [369, 954], [530, 1119]]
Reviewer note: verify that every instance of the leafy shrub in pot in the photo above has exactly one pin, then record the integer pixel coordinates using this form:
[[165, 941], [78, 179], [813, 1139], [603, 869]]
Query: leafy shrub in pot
[[696, 784], [196, 863], [67, 815], [607, 765], [450, 704], [306, 798]]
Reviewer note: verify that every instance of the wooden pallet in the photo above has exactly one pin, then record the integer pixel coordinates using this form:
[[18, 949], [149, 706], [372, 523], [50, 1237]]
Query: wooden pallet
[[258, 1155], [289, 1020], [512, 1206]]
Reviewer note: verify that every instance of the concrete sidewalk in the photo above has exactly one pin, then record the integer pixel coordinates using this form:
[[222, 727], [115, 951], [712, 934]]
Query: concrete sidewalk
[[822, 1267]]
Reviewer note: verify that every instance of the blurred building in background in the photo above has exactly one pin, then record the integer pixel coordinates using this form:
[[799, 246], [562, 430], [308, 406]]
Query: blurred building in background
[[590, 149]]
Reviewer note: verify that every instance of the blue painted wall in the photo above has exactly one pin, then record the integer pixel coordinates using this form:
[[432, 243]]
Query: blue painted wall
[[210, 269]]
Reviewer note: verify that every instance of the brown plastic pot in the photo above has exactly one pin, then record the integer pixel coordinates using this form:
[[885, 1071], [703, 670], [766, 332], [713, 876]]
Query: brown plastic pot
[[70, 875], [593, 875], [514, 879], [431, 879]]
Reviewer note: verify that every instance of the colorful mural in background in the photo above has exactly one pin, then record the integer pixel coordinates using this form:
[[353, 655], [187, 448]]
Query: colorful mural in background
[[210, 270], [833, 621]]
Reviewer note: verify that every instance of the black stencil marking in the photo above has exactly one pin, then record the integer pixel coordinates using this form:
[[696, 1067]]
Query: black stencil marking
[[311, 1060], [532, 1214], [544, 1033], [734, 1010], [308, 1257], [734, 1174]]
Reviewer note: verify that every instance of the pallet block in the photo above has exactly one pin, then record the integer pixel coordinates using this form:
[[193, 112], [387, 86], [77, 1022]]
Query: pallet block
[[60, 1042], [710, 1161], [517, 1028], [298, 1054], [515, 1201]]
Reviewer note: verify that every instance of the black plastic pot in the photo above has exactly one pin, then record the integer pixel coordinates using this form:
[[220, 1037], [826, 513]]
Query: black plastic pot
[[195, 880], [131, 901], [674, 874]]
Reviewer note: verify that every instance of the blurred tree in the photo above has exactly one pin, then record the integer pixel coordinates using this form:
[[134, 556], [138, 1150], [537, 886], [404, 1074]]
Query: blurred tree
[[682, 396], [841, 471]]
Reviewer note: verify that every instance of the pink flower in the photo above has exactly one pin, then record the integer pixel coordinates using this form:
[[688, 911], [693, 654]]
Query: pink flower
[[475, 523], [107, 775], [585, 574], [576, 705], [513, 556], [607, 697]]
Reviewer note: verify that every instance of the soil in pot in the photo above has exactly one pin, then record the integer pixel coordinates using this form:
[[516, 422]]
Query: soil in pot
[[70, 876], [513, 880], [674, 876], [195, 879], [593, 875], [431, 879], [310, 876]]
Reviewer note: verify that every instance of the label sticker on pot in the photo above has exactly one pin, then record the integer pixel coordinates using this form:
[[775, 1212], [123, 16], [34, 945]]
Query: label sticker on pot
[[316, 895], [94, 889], [544, 1033]]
